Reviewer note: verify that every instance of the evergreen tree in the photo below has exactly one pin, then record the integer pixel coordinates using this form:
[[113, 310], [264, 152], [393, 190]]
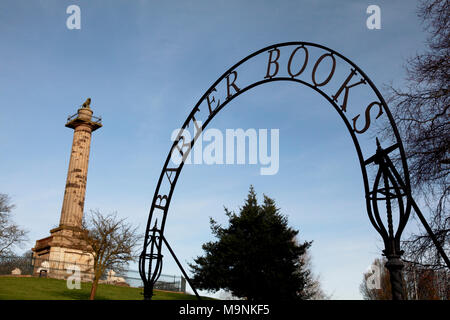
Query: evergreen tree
[[256, 257]]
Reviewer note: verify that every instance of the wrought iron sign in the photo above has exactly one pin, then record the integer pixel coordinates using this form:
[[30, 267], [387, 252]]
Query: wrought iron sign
[[359, 104]]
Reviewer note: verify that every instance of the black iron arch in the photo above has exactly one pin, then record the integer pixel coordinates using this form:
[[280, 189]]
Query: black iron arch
[[389, 183]]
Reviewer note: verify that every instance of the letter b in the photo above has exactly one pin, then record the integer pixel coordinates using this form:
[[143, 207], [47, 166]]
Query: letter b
[[274, 62]]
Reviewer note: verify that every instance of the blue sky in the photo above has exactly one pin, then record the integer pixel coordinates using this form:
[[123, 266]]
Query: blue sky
[[145, 64]]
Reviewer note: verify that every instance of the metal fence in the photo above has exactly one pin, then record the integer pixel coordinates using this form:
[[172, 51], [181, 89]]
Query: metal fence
[[36, 267]]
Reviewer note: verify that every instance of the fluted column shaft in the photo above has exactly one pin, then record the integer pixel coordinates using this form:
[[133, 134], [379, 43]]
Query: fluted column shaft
[[74, 195], [75, 191]]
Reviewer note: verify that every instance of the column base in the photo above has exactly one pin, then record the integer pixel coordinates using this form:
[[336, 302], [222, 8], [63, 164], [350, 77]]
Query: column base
[[55, 254]]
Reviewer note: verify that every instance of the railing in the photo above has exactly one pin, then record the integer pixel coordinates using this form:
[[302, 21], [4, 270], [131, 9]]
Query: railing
[[97, 119], [70, 118], [94, 118], [37, 267]]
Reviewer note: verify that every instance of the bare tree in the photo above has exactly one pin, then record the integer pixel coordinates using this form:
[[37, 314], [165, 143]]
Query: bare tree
[[419, 282], [421, 111], [314, 288], [424, 282], [10, 234], [111, 242], [376, 286]]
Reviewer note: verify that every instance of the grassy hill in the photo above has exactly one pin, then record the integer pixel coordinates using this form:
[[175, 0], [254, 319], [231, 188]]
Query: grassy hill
[[29, 288]]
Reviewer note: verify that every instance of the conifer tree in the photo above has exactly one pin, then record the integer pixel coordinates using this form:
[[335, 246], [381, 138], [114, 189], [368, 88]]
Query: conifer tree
[[256, 257]]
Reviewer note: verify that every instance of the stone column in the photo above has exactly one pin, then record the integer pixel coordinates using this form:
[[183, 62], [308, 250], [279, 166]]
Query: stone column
[[73, 203], [64, 246]]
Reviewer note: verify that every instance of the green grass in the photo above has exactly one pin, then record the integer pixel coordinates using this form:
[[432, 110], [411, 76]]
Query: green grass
[[22, 288]]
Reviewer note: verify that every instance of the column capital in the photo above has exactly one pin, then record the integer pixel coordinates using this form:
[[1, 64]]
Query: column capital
[[84, 116]]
